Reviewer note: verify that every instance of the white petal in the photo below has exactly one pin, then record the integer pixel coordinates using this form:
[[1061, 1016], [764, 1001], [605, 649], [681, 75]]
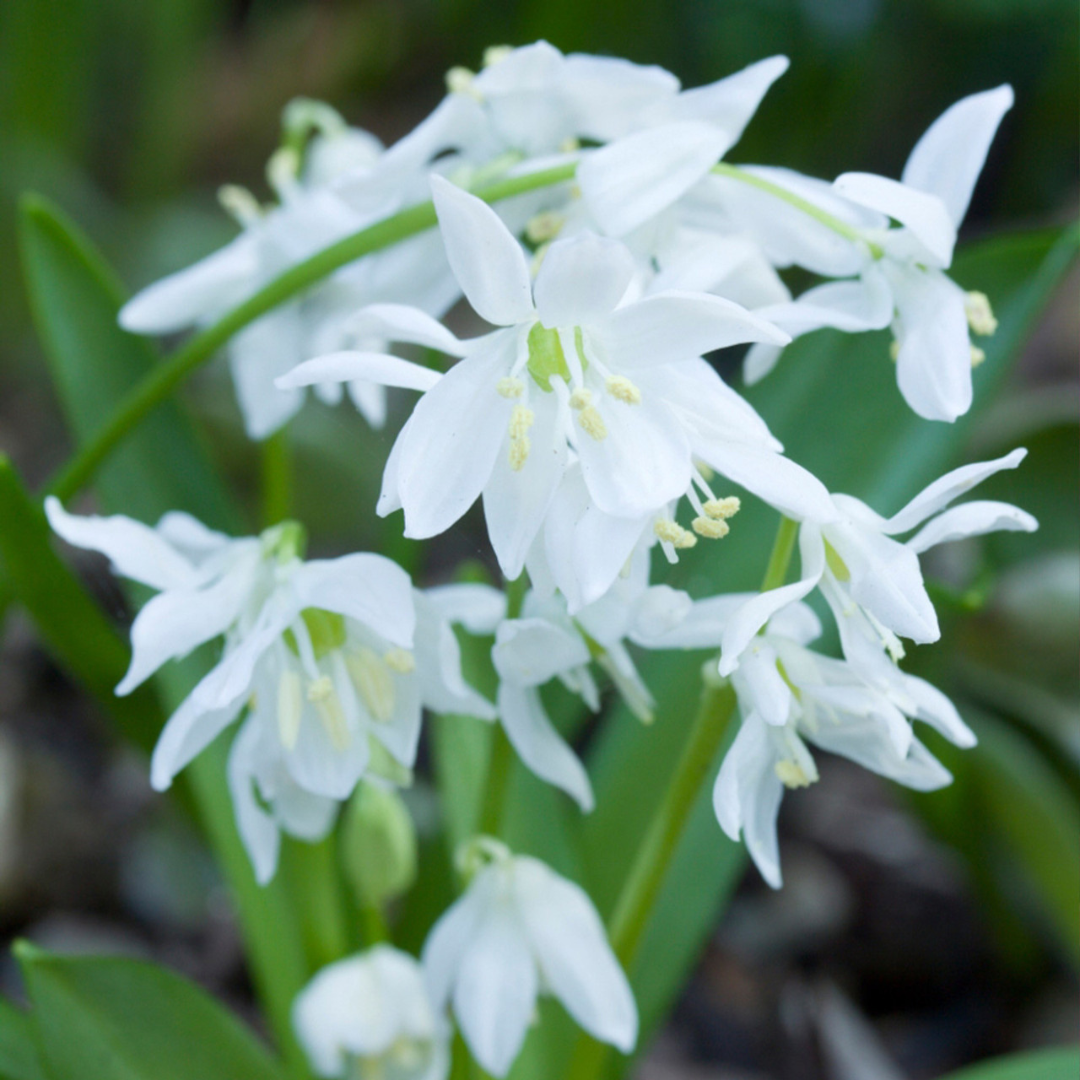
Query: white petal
[[191, 537], [443, 689], [631, 180], [349, 365], [947, 160], [452, 936], [515, 501], [714, 408], [258, 829], [571, 948], [172, 623], [323, 765], [454, 435], [887, 580], [190, 729], [946, 488], [936, 709], [479, 608], [747, 796], [933, 366], [865, 741], [370, 401], [972, 519], [779, 481], [771, 696], [864, 702], [539, 745], [925, 215], [212, 285], [759, 361], [400, 322], [262, 352], [495, 992], [487, 261], [532, 651], [700, 627], [581, 280], [135, 550], [670, 327], [730, 103], [370, 588], [853, 306], [643, 462]]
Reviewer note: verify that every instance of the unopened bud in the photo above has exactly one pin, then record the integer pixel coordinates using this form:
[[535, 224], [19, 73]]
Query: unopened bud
[[378, 845]]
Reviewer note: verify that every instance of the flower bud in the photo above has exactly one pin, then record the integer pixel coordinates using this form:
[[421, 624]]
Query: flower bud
[[379, 845]]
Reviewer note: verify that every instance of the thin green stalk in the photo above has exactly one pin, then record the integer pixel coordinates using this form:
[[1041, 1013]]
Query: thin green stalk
[[376, 929], [849, 232], [783, 547], [160, 384], [311, 873], [641, 889], [277, 478]]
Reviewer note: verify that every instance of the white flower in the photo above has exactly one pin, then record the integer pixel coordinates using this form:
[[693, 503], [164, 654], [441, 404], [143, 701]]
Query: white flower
[[903, 282], [370, 1015], [315, 211], [521, 930], [622, 385], [790, 696], [546, 643], [862, 568]]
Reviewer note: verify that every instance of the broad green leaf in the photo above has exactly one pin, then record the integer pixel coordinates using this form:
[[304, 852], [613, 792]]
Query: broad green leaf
[[75, 299], [118, 1019], [19, 1059], [1061, 1063], [72, 626], [833, 401]]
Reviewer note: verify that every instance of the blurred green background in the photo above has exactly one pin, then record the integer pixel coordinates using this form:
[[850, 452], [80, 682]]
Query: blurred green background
[[130, 114]]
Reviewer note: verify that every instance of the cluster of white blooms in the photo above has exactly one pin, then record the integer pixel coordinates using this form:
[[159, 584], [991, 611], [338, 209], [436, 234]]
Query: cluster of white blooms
[[588, 421]]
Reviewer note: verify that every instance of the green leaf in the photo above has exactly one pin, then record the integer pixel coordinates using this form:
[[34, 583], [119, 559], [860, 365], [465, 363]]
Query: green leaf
[[833, 402], [1061, 1063], [72, 626], [118, 1019], [19, 1058], [75, 300]]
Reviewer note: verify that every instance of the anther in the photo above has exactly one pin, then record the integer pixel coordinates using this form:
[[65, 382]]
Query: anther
[[521, 419], [544, 227], [289, 708], [793, 775], [592, 423], [321, 694], [980, 315], [581, 398], [510, 387], [622, 389], [239, 204], [894, 350], [673, 533], [400, 660], [977, 356], [372, 679], [496, 54], [710, 528], [720, 509], [459, 80]]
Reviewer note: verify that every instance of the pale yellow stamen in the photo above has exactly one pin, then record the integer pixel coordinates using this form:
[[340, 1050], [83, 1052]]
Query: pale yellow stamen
[[496, 54], [510, 387], [592, 423], [894, 350], [289, 708], [239, 204], [400, 660], [977, 356], [580, 398], [544, 227], [622, 389], [710, 528], [323, 696], [720, 509], [705, 471], [571, 146], [792, 774], [980, 315], [674, 534], [521, 419], [374, 682], [459, 80]]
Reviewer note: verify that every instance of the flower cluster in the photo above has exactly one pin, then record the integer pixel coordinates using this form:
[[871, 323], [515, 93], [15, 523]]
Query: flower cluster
[[589, 421]]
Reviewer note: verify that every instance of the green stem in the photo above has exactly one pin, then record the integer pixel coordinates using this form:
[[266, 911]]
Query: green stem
[[310, 872], [277, 478], [376, 930], [783, 546], [849, 232], [654, 857], [160, 384]]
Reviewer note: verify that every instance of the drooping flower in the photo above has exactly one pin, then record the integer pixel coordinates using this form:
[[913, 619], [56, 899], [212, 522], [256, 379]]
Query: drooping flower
[[573, 374], [370, 1015], [518, 931], [864, 569], [902, 279], [316, 208], [789, 697]]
